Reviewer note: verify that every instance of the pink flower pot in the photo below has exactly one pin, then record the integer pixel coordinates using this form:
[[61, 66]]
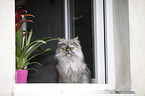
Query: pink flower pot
[[21, 76]]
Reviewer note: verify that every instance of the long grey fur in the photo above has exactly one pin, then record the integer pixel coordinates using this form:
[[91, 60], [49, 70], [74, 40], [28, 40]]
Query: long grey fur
[[71, 66]]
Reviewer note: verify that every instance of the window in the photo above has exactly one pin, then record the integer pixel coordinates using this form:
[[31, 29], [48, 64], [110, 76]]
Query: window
[[98, 28], [88, 20]]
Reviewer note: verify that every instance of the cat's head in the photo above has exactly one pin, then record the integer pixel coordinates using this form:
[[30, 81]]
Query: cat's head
[[69, 48]]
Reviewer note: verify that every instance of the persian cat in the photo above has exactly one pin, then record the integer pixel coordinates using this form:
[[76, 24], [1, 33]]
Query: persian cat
[[71, 66]]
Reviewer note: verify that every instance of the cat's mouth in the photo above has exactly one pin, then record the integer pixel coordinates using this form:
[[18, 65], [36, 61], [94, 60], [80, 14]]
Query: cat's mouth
[[68, 54]]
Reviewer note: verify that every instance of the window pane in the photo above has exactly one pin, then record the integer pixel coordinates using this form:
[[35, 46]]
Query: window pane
[[49, 22]]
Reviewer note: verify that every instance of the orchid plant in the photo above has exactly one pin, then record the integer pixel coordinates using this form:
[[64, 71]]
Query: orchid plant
[[24, 46]]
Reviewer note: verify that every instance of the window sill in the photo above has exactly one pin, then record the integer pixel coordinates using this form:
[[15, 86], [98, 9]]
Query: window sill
[[53, 89]]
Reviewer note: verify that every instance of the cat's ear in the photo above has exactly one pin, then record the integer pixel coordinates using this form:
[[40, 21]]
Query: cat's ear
[[60, 41], [75, 40]]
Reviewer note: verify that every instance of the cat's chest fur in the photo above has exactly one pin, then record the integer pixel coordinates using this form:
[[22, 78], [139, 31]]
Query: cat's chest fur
[[69, 65], [72, 70]]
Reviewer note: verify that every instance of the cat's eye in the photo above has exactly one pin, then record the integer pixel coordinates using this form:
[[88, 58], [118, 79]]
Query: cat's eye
[[64, 48], [72, 48]]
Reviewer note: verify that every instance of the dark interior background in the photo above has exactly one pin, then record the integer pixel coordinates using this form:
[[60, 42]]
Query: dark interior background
[[49, 22]]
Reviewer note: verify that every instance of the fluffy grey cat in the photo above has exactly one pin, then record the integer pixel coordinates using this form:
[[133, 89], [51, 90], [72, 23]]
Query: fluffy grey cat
[[71, 65]]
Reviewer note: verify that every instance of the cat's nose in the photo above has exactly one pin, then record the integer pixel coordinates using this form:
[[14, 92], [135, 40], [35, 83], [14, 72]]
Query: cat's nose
[[68, 50]]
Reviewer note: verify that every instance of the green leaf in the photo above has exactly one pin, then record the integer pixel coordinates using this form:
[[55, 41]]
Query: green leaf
[[44, 38], [39, 48], [33, 69], [48, 49], [24, 54], [33, 57], [30, 49], [19, 41], [42, 41], [30, 63], [25, 41], [32, 46], [29, 38], [52, 39], [20, 62]]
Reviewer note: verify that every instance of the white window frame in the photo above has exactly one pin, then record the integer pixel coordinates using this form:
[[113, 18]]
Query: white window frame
[[56, 89], [99, 42], [110, 44]]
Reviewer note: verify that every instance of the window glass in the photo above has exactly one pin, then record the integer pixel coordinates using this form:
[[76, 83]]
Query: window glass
[[49, 22]]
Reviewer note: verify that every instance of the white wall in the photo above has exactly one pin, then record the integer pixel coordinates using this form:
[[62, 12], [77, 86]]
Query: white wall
[[7, 45], [121, 44], [137, 45]]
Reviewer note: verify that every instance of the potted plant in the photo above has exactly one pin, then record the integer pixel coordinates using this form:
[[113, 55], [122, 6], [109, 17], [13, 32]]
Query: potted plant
[[24, 47]]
